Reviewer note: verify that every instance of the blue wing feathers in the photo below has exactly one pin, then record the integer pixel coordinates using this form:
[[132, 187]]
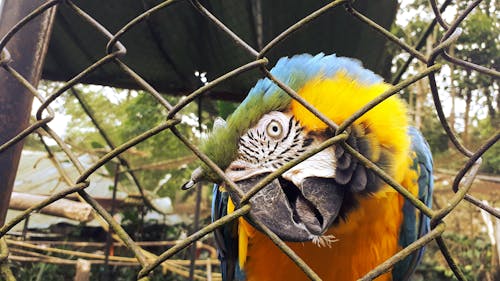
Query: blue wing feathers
[[415, 223], [226, 238]]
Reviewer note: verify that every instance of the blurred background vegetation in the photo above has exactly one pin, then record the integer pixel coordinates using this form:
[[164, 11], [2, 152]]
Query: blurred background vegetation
[[471, 100]]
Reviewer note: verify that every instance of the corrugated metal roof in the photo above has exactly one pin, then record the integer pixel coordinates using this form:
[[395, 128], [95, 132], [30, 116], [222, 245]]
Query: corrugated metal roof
[[35, 166], [171, 44]]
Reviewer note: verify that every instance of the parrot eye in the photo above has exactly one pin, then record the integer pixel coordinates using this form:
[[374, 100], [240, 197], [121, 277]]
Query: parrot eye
[[274, 129]]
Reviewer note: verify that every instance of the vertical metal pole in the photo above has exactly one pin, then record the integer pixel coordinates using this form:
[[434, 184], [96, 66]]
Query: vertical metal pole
[[25, 228], [109, 238], [197, 208], [27, 49]]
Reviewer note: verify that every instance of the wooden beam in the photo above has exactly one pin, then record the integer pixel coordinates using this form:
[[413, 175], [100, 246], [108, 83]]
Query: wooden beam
[[82, 270], [61, 208]]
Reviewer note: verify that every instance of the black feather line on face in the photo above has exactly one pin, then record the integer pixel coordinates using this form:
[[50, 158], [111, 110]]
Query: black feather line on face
[[247, 147], [290, 124], [250, 136], [246, 157]]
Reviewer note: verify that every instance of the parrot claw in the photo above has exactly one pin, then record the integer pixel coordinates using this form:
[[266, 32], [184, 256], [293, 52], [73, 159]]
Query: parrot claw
[[324, 240]]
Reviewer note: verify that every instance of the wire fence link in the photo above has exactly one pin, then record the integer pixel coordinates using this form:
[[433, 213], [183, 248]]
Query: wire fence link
[[115, 50]]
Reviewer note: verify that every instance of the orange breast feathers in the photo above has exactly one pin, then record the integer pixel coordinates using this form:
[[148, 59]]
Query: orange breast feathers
[[369, 237]]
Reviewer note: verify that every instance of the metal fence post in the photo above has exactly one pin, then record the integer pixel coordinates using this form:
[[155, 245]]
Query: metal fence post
[[27, 50]]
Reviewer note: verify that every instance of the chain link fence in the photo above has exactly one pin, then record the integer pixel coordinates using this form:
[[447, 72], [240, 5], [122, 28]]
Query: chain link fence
[[115, 50]]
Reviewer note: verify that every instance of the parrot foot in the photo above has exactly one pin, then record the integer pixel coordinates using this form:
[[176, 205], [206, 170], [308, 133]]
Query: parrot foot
[[324, 240]]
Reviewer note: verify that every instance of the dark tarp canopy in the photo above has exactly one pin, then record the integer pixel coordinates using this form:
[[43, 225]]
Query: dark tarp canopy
[[171, 44]]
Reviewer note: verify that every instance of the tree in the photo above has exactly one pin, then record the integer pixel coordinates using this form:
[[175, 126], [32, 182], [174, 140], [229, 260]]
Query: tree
[[470, 92], [479, 44]]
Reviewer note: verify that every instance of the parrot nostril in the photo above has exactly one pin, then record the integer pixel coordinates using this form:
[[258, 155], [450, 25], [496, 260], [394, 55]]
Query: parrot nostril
[[303, 210]]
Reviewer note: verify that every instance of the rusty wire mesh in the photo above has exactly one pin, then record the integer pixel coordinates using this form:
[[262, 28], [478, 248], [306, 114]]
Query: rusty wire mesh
[[115, 50]]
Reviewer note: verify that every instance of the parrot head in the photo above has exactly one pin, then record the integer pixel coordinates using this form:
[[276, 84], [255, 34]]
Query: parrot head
[[269, 129]]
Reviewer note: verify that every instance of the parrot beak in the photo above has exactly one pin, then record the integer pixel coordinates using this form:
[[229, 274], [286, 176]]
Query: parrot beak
[[294, 213]]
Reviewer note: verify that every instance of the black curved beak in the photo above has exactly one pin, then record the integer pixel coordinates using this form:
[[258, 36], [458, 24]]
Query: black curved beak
[[294, 213]]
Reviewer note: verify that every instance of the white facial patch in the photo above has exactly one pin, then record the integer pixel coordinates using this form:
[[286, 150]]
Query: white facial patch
[[321, 165], [275, 140]]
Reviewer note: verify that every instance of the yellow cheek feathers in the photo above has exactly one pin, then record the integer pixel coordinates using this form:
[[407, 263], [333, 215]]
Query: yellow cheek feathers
[[341, 96]]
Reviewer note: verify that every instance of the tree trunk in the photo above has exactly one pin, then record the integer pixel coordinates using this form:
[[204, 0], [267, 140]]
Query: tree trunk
[[492, 104], [468, 100], [453, 95], [419, 101], [422, 89]]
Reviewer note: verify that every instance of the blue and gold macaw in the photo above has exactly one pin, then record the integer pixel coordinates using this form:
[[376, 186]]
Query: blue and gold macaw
[[335, 213]]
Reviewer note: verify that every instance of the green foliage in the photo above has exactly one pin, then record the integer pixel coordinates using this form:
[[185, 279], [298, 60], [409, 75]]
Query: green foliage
[[491, 158], [52, 272], [123, 115], [224, 108], [469, 253], [143, 113], [42, 271], [479, 43], [480, 40], [32, 142], [132, 223], [434, 132]]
